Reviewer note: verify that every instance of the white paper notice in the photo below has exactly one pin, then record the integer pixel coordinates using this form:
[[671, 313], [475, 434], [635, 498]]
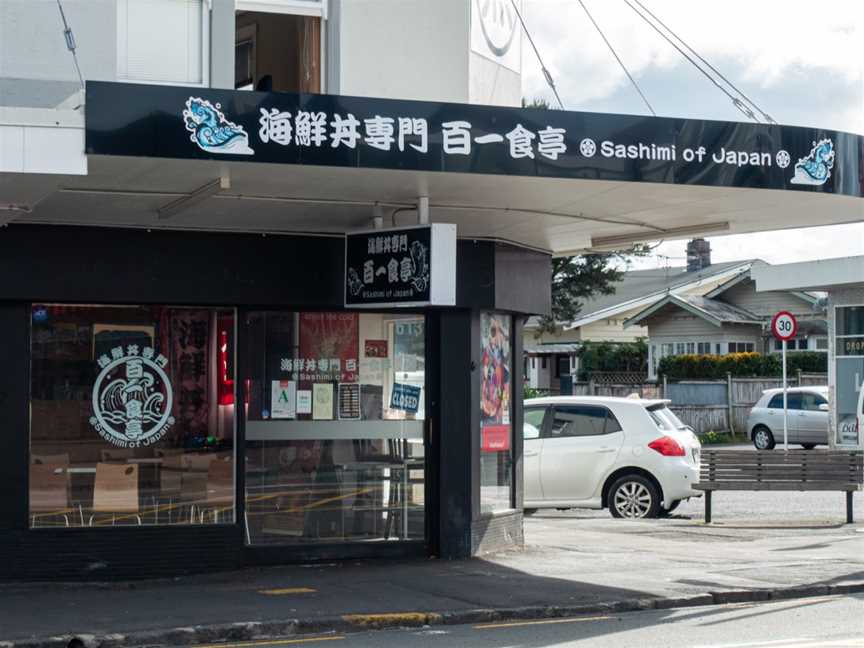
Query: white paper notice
[[322, 402], [304, 401], [283, 399]]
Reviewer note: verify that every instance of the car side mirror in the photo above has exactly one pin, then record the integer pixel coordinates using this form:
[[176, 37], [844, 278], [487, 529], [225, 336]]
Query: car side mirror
[[823, 407]]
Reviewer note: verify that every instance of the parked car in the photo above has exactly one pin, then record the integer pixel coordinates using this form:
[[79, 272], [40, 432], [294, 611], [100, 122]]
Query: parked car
[[807, 421], [632, 456]]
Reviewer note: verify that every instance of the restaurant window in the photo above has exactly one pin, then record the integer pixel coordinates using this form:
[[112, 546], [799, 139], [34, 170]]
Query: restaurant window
[[496, 431], [131, 416], [334, 428]]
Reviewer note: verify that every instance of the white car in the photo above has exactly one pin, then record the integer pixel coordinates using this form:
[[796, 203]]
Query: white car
[[632, 456], [806, 418]]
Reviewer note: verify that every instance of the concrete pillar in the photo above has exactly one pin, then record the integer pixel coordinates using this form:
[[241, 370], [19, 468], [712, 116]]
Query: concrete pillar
[[222, 44]]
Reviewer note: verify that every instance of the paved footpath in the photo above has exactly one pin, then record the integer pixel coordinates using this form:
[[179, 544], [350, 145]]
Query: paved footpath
[[573, 563]]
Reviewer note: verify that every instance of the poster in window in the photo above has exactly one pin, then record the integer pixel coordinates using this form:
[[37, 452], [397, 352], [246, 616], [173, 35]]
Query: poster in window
[[283, 399], [495, 382], [322, 402], [329, 345], [304, 401]]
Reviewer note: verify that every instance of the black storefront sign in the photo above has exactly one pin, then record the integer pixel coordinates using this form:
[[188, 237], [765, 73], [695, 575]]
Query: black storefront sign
[[411, 266], [332, 130]]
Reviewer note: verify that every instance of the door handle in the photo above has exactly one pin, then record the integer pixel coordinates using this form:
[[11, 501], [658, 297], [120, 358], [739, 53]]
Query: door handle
[[606, 450], [531, 454]]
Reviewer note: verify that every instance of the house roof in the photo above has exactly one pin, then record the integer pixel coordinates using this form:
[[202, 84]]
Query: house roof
[[640, 288], [711, 310], [748, 276]]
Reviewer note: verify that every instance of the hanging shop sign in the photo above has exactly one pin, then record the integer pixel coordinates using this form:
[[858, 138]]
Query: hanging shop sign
[[411, 266], [332, 130]]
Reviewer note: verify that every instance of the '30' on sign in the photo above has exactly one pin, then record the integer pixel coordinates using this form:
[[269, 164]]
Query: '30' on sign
[[784, 326]]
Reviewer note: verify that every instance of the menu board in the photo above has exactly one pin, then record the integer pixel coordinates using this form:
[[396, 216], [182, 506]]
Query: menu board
[[349, 401]]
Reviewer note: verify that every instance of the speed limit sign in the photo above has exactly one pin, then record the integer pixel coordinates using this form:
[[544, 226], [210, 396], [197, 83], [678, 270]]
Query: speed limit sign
[[784, 326]]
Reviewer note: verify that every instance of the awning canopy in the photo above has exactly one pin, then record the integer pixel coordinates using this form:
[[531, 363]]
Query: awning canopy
[[171, 157]]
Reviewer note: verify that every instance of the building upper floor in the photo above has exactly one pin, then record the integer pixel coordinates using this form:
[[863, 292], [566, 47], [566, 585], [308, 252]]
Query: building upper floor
[[447, 50]]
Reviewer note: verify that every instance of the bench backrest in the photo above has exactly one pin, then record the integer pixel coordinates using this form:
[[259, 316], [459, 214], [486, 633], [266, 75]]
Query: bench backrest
[[814, 468]]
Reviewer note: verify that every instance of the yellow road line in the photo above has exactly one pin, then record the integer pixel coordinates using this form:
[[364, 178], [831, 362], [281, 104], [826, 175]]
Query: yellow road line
[[287, 590], [391, 618], [515, 624], [272, 642]]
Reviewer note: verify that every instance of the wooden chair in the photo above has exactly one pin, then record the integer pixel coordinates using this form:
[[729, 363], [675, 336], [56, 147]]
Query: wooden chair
[[220, 486], [58, 459], [193, 481], [116, 491], [49, 491], [116, 455], [170, 482]]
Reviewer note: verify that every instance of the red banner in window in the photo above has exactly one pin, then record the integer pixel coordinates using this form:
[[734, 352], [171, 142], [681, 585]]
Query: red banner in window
[[495, 438]]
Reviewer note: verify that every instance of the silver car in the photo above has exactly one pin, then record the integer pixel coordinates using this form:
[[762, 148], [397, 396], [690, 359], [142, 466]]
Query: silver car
[[807, 424]]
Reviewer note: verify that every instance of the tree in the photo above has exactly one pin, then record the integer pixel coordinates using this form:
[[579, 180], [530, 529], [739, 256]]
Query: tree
[[576, 279]]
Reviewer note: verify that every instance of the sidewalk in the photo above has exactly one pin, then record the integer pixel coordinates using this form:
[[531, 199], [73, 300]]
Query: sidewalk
[[571, 566]]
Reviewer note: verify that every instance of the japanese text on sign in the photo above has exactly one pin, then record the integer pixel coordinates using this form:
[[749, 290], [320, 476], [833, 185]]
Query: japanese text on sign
[[314, 129]]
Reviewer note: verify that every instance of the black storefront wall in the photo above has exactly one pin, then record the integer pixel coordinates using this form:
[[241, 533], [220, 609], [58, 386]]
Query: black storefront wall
[[115, 266]]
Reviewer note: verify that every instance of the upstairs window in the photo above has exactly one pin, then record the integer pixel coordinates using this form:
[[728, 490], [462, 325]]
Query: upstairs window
[[163, 41]]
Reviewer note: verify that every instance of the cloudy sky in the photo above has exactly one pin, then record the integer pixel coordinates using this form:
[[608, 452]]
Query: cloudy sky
[[802, 62]]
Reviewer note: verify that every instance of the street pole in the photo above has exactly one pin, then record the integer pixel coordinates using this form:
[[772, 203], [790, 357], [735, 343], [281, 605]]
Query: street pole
[[785, 404]]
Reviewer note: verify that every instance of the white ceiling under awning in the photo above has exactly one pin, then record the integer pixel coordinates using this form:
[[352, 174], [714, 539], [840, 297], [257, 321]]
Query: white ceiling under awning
[[558, 215]]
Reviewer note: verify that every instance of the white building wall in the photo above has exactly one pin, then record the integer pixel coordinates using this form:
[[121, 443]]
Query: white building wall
[[411, 49]]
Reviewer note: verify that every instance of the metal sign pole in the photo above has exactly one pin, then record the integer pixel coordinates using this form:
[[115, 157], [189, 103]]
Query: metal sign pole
[[785, 404]]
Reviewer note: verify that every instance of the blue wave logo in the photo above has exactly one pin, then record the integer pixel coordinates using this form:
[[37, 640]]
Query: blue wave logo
[[815, 169], [211, 131]]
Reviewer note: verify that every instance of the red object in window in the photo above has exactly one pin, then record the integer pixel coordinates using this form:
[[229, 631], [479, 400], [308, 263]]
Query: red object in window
[[495, 438], [226, 382], [667, 446]]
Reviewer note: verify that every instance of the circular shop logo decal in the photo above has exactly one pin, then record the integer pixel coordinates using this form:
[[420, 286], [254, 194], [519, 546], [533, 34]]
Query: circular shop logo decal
[[587, 147], [783, 159], [498, 23], [132, 397]]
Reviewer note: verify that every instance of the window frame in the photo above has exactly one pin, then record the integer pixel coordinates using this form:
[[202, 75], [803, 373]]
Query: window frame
[[543, 422], [121, 40], [550, 420]]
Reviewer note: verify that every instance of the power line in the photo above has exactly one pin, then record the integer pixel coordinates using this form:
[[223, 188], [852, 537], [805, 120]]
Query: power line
[[546, 74], [617, 58], [765, 115], [70, 43], [735, 101]]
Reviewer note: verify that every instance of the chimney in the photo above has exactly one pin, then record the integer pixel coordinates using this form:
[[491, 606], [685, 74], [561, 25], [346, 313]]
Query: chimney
[[698, 255]]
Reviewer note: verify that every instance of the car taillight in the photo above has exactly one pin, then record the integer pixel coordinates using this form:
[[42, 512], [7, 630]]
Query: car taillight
[[667, 446]]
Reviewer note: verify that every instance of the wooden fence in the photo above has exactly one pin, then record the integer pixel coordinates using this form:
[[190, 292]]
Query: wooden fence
[[704, 405]]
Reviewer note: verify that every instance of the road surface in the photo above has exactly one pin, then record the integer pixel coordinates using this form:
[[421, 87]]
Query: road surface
[[823, 622]]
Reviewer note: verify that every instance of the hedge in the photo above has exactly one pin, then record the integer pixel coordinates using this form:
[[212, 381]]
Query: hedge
[[741, 365]]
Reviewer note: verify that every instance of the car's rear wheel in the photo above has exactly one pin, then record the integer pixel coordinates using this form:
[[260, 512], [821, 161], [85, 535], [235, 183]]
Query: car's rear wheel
[[763, 439], [634, 496], [808, 446]]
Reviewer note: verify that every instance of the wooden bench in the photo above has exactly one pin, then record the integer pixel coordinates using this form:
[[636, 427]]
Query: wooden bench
[[776, 470]]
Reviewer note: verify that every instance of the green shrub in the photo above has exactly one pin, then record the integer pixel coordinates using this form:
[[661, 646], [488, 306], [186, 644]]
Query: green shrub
[[613, 356], [741, 365]]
